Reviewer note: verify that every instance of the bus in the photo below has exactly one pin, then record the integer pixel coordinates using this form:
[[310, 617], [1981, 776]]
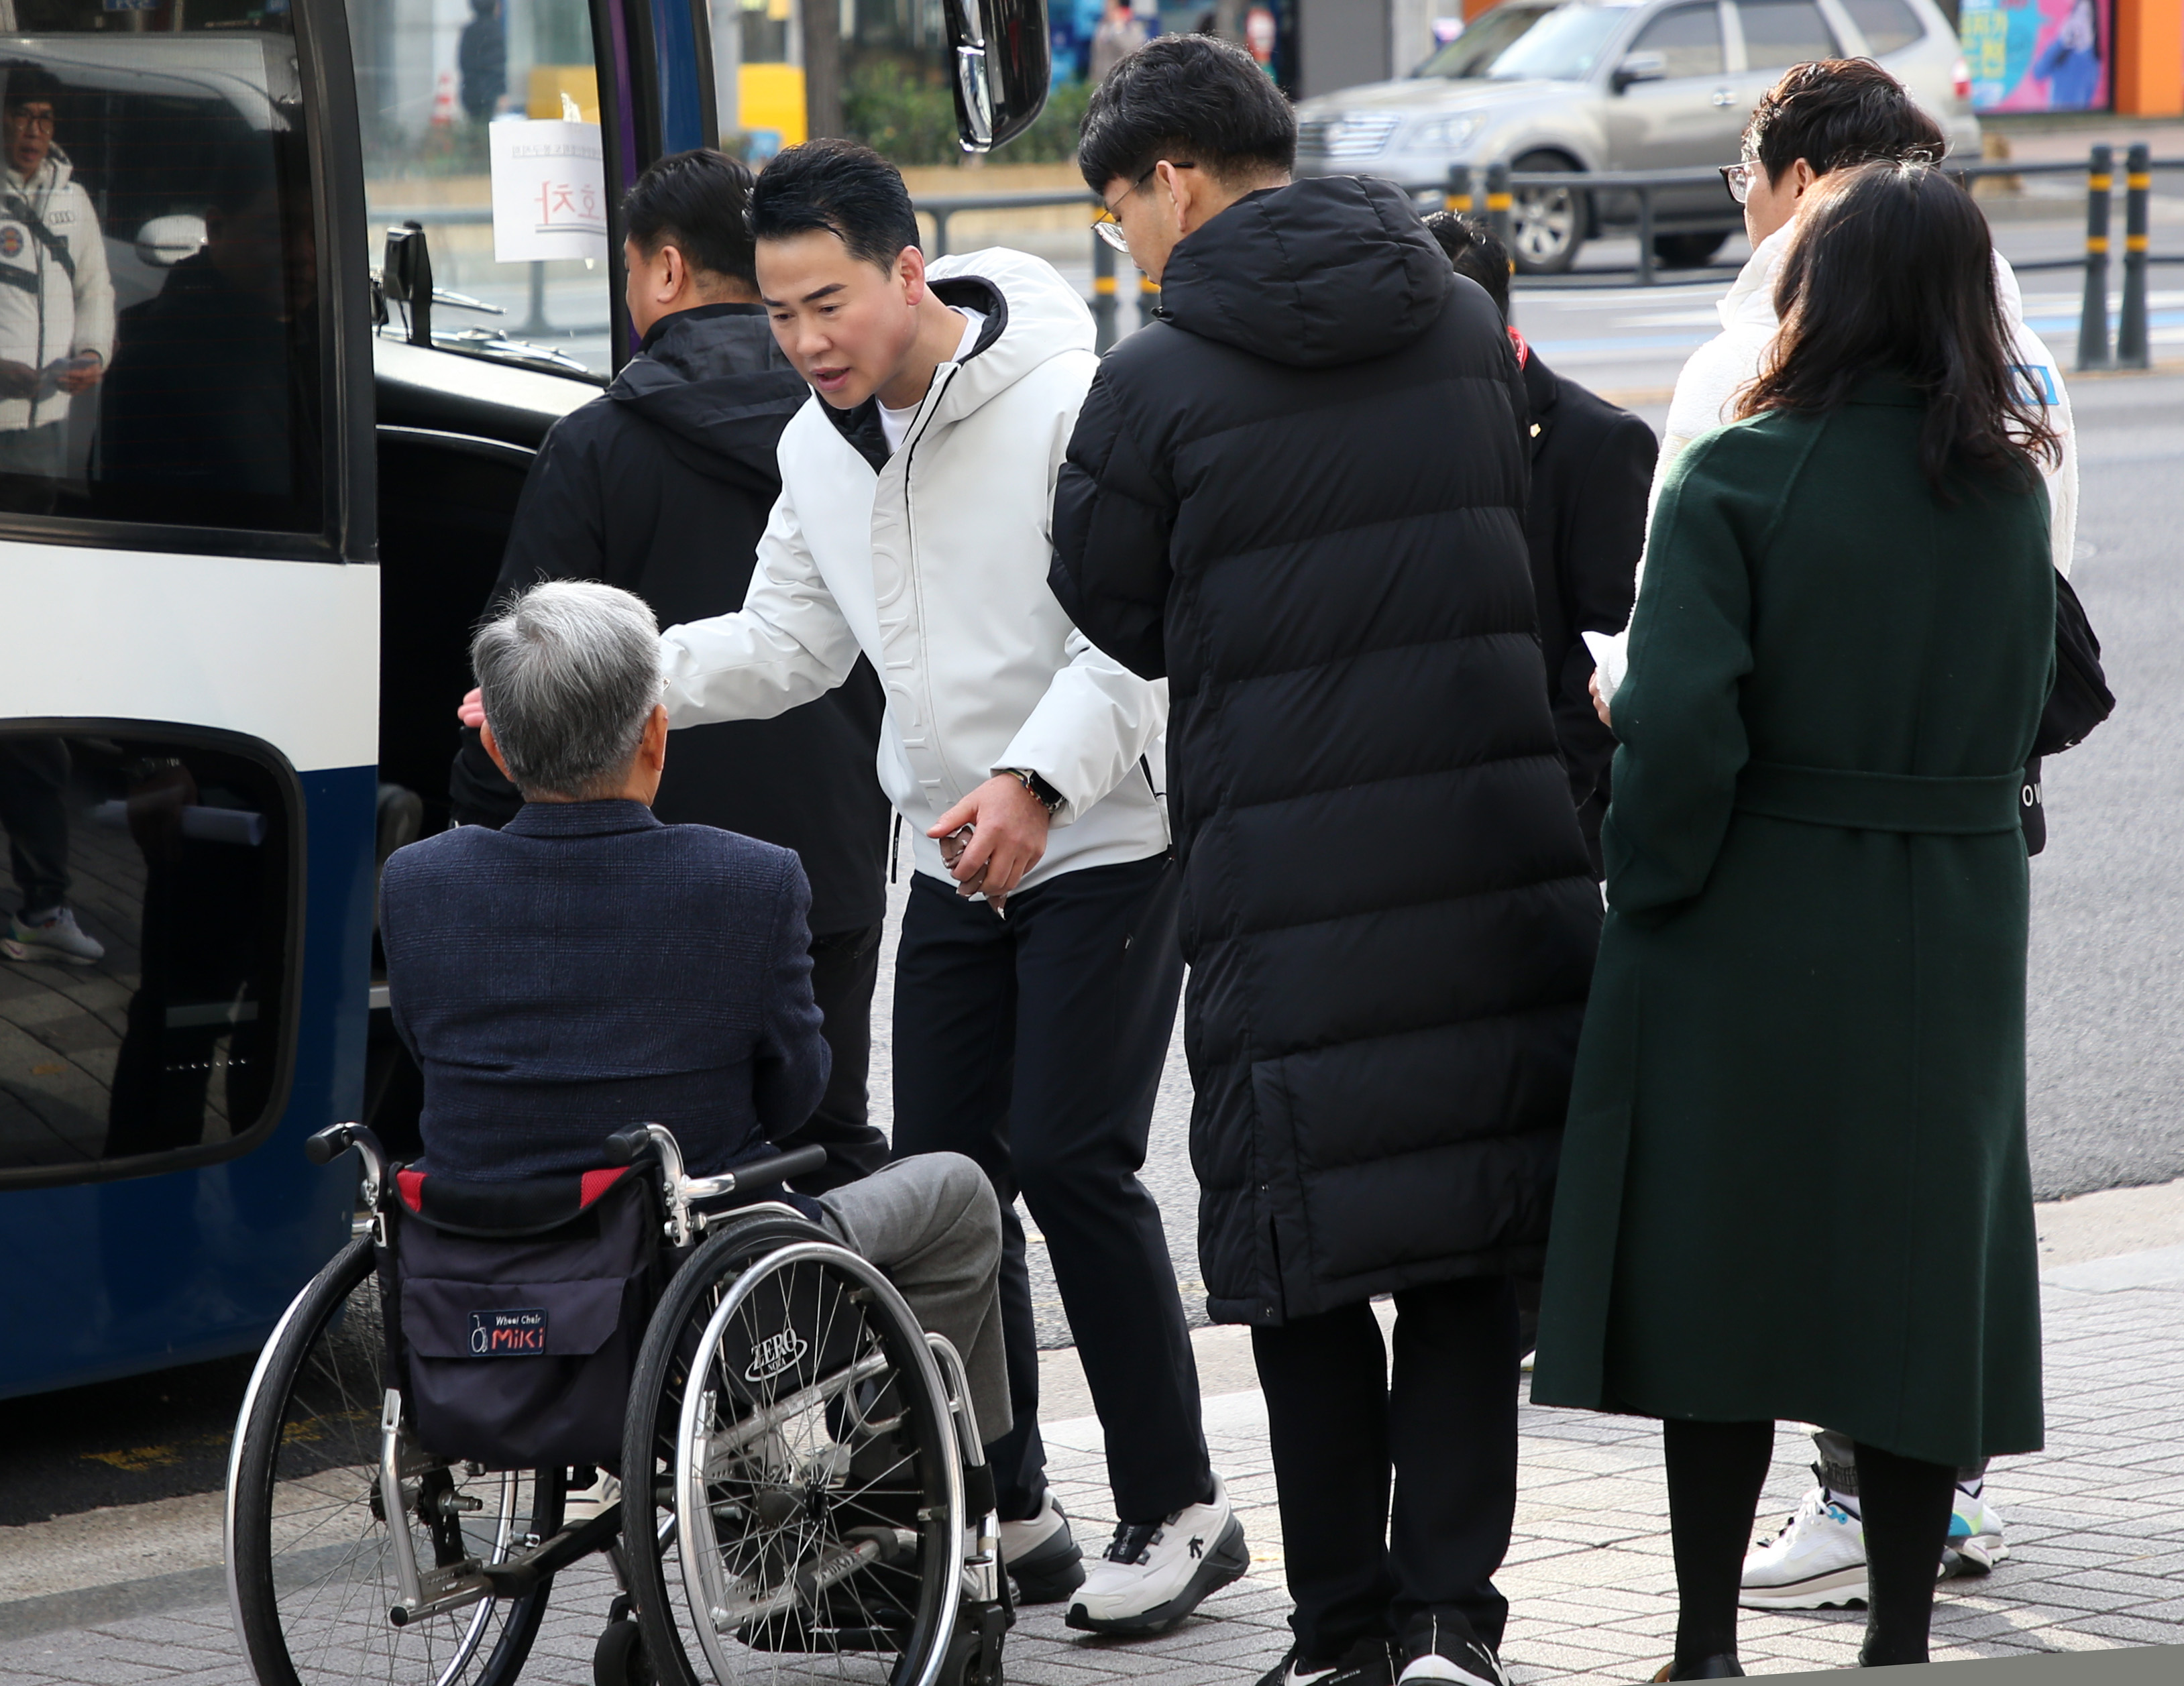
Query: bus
[[256, 470]]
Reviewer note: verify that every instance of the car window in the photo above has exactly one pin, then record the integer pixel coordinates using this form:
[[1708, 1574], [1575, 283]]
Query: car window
[[1688, 38], [1780, 33], [481, 122], [1563, 46], [1472, 52], [1886, 24], [160, 358]]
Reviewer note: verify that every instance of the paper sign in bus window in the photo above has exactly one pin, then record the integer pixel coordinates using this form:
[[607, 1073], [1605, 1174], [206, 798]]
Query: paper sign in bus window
[[549, 197]]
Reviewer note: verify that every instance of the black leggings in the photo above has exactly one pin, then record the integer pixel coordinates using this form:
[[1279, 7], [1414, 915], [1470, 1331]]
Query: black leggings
[[1715, 1472]]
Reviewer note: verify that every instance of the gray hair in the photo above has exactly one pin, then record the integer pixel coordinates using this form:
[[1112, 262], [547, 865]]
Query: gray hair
[[571, 673]]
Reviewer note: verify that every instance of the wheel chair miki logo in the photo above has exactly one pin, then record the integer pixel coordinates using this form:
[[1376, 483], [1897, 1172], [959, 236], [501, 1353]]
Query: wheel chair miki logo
[[777, 1352], [508, 1334]]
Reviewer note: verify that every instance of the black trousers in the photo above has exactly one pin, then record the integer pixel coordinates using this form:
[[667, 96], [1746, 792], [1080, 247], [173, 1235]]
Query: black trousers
[[1445, 1422], [845, 968], [1033, 1044]]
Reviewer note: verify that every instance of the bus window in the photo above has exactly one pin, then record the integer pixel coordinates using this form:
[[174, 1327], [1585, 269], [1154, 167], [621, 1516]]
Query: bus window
[[147, 1019], [432, 84], [160, 354]]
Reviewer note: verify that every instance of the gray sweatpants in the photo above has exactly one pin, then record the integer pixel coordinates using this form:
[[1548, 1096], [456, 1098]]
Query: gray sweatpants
[[932, 1223]]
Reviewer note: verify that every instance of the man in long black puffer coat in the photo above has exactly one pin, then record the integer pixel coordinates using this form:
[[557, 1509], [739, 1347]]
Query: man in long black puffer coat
[[1300, 495]]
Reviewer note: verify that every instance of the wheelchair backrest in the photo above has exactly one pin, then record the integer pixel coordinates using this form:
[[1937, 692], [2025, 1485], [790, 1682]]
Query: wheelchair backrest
[[515, 1311]]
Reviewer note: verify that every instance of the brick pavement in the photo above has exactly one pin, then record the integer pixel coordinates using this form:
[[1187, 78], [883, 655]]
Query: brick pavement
[[2096, 1529]]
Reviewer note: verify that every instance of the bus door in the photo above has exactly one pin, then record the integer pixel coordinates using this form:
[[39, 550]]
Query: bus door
[[188, 699]]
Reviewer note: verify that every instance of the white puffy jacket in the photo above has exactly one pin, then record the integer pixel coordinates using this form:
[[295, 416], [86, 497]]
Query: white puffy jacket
[[56, 297], [934, 565], [1707, 389]]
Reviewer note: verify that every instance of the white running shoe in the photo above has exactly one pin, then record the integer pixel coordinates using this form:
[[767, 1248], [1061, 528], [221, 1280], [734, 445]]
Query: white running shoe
[[1041, 1555], [1976, 1545], [56, 936], [1153, 1575], [1816, 1562]]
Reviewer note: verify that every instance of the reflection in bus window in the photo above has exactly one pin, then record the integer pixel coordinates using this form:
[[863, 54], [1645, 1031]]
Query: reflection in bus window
[[159, 353], [432, 81], [150, 1022]]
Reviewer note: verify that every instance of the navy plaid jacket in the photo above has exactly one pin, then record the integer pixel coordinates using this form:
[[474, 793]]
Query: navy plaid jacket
[[587, 968]]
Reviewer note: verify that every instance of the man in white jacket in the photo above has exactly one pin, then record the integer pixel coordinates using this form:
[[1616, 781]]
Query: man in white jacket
[[1036, 985], [1820, 117], [56, 297]]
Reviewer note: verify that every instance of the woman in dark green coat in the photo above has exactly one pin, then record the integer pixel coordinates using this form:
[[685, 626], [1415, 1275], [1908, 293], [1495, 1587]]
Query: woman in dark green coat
[[1801, 1087]]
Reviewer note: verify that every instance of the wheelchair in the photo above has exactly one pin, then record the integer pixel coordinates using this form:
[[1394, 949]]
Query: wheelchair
[[803, 1488]]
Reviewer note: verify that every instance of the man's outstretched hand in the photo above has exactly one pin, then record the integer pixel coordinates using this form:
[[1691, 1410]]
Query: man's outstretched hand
[[472, 711], [1008, 839]]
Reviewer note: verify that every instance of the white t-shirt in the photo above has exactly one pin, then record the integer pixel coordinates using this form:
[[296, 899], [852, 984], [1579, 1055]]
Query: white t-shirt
[[894, 423]]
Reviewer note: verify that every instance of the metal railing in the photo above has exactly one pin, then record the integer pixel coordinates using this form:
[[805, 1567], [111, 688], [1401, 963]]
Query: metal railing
[[1493, 189]]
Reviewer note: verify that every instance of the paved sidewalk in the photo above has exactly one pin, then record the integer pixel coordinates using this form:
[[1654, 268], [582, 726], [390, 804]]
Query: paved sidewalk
[[2096, 1530]]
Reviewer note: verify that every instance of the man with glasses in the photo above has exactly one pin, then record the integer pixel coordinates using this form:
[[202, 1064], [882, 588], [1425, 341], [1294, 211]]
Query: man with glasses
[[1819, 117], [56, 299]]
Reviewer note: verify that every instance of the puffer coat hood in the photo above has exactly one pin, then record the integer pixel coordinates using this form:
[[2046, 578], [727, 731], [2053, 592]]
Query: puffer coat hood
[[714, 383], [1331, 269]]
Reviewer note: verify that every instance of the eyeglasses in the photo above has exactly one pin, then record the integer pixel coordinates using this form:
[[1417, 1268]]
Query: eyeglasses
[[23, 118], [1737, 178], [1107, 227]]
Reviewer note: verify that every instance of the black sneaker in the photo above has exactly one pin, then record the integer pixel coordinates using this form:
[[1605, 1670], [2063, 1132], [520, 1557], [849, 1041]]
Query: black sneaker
[[1440, 1645], [1366, 1663]]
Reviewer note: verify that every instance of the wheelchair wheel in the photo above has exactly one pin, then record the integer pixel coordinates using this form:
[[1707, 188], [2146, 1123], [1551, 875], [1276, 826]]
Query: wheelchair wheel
[[816, 1537], [310, 1576]]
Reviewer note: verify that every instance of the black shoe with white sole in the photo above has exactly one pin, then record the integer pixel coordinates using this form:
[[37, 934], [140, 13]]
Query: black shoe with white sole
[[1153, 1575], [1041, 1555], [1440, 1645], [1366, 1663]]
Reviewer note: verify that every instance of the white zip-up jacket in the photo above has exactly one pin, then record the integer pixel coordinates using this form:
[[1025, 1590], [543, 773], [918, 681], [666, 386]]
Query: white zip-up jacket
[[932, 562], [56, 297], [1707, 389]]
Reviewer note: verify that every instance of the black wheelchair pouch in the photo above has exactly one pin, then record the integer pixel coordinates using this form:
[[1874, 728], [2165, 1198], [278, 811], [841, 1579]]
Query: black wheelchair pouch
[[515, 1311]]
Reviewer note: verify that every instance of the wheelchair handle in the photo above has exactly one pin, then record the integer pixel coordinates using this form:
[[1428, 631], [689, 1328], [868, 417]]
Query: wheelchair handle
[[626, 1147], [787, 1167], [323, 1147]]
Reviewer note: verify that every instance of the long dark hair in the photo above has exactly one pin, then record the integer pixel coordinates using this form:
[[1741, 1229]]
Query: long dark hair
[[1892, 271]]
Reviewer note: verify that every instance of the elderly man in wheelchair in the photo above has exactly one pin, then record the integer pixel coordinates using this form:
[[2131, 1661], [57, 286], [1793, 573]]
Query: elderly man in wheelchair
[[597, 1280]]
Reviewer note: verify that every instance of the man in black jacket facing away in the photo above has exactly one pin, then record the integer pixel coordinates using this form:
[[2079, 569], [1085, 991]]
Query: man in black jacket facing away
[[1299, 494], [662, 487], [1592, 465]]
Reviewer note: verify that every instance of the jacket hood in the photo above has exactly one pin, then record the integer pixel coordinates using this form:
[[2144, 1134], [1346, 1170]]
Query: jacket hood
[[1750, 300], [1331, 269], [1032, 316], [716, 386]]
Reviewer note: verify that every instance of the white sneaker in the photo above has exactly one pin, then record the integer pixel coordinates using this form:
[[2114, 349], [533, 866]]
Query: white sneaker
[[56, 936], [1041, 1555], [1816, 1562], [1976, 1544], [1153, 1575]]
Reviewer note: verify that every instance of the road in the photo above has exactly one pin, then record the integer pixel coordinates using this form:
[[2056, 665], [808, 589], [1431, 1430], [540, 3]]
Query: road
[[2107, 1019]]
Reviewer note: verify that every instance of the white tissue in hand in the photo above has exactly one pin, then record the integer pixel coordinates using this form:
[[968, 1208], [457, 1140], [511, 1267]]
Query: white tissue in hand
[[1611, 659]]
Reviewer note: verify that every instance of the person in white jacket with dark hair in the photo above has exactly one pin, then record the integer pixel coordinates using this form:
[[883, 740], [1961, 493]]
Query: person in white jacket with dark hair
[[1036, 984], [56, 296], [1820, 117]]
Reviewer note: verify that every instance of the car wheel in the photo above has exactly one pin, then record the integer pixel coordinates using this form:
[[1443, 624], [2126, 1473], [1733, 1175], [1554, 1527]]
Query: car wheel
[[1687, 251], [1546, 224]]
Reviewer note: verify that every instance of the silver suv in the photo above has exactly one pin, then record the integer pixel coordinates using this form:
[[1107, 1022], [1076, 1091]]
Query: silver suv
[[1619, 85]]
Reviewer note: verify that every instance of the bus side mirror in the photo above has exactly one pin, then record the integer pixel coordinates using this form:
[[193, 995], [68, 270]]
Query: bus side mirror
[[1002, 71], [406, 278]]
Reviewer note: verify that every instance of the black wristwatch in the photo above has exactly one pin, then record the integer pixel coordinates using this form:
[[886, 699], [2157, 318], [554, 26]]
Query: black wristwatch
[[1049, 798]]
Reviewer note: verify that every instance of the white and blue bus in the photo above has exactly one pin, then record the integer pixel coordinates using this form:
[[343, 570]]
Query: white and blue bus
[[249, 515]]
